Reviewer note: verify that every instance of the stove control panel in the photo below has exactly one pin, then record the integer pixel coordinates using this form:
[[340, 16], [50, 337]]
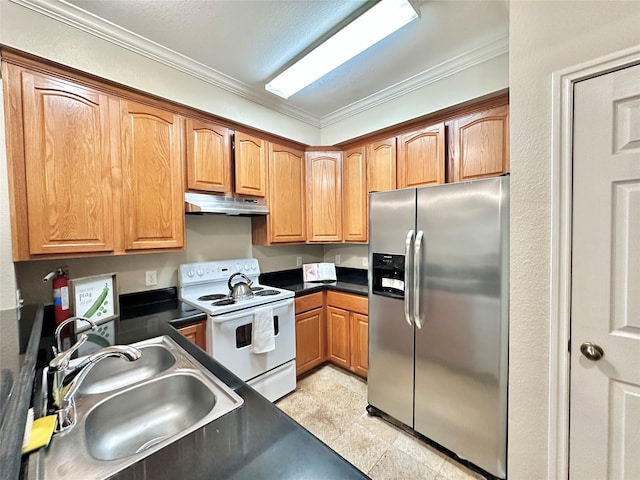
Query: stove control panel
[[217, 271]]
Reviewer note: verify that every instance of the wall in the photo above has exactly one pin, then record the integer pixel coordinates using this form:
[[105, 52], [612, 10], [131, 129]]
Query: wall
[[32, 32], [474, 82], [544, 37], [351, 255], [209, 237]]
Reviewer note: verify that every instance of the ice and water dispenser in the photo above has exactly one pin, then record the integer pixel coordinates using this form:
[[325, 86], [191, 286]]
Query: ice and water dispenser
[[388, 275]]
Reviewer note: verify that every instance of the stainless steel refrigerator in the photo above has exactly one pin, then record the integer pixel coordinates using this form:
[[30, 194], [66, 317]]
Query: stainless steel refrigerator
[[438, 315]]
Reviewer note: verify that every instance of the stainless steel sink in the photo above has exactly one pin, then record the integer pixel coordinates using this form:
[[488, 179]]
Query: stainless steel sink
[[154, 412], [115, 372], [126, 412]]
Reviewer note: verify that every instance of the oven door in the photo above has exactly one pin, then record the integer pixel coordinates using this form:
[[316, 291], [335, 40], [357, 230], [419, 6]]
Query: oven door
[[229, 342]]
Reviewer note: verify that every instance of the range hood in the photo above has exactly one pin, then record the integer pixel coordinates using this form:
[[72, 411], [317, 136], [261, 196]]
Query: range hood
[[203, 203]]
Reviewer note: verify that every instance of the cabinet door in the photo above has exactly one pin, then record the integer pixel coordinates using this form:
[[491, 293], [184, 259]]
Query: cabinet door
[[381, 165], [359, 344], [310, 340], [153, 195], [196, 334], [68, 165], [250, 165], [208, 157], [354, 196], [421, 157], [286, 195], [338, 344], [324, 196], [480, 145]]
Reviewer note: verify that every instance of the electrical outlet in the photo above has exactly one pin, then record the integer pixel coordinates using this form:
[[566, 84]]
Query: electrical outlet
[[337, 259], [298, 261], [151, 278], [365, 261]]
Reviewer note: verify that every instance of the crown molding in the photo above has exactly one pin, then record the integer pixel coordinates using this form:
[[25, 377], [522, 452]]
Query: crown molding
[[471, 58], [84, 21]]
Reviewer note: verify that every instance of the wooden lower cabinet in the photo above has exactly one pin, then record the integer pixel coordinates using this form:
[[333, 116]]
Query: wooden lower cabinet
[[348, 331], [359, 344], [310, 332], [339, 347], [196, 333]]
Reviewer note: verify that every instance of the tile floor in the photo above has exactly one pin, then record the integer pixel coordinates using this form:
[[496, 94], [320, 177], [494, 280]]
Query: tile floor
[[330, 403]]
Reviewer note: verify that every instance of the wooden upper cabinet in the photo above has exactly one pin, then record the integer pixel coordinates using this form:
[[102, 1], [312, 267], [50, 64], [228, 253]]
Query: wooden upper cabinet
[[381, 165], [421, 157], [286, 195], [153, 191], [208, 157], [324, 196], [354, 195], [67, 166], [250, 165], [479, 145]]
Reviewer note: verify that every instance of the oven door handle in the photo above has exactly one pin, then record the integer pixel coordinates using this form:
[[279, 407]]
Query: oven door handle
[[247, 311]]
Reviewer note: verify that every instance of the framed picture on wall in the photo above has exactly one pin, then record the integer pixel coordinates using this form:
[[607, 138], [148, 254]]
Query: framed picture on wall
[[95, 298]]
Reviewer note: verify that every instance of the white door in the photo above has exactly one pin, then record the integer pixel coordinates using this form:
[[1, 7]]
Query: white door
[[605, 305]]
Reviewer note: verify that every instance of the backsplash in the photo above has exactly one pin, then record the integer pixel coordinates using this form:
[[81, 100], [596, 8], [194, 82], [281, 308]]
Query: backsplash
[[209, 237]]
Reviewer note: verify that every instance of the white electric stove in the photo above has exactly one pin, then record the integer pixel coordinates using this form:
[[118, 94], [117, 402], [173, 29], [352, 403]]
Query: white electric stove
[[204, 285]]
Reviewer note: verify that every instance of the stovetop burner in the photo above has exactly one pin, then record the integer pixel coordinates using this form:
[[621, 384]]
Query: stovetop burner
[[222, 303], [256, 289], [213, 296], [265, 293]]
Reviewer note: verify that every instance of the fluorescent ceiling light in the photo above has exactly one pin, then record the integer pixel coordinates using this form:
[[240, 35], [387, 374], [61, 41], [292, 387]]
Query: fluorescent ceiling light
[[378, 22]]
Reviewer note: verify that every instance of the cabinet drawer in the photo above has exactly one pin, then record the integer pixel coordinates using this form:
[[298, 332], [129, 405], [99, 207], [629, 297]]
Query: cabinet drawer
[[348, 301], [308, 302]]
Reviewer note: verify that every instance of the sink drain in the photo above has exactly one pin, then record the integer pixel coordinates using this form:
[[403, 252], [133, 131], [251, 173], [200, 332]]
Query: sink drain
[[151, 443]]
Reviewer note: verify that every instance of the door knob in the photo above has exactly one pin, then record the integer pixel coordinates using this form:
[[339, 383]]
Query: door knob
[[592, 351]]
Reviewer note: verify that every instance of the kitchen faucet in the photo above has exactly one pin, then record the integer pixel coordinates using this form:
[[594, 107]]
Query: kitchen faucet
[[64, 377], [58, 348]]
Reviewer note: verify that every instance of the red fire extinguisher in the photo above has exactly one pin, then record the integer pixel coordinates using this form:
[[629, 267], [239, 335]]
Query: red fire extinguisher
[[60, 294]]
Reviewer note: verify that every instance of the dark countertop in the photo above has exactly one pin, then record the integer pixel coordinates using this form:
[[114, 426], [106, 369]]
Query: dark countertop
[[301, 289], [349, 280], [19, 399], [256, 440]]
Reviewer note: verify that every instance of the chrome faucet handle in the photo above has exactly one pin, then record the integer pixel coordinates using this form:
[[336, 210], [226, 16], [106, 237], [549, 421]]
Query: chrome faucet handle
[[58, 349], [61, 360], [124, 351]]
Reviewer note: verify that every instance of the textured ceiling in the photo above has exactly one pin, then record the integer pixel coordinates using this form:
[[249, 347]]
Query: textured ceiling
[[249, 41]]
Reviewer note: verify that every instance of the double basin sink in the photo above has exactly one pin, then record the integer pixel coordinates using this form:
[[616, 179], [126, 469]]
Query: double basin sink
[[125, 411]]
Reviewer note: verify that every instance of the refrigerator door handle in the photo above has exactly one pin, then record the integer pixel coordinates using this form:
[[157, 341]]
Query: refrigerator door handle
[[417, 257], [408, 272]]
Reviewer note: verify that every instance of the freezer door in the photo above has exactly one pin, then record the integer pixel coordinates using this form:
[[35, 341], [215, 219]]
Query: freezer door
[[390, 378], [461, 349]]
